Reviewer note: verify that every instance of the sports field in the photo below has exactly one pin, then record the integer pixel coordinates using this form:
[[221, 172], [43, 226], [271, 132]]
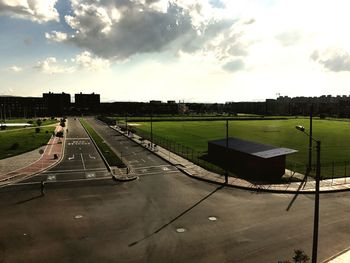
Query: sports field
[[334, 136]]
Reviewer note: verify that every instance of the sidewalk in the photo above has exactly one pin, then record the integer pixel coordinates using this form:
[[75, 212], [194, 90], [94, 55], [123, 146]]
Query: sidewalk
[[195, 171], [343, 257], [46, 160]]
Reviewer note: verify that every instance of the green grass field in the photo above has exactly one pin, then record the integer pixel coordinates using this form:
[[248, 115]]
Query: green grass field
[[111, 158], [14, 142], [334, 136]]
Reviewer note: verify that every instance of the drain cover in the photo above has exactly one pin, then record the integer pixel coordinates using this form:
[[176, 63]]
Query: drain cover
[[212, 218], [78, 216], [180, 230]]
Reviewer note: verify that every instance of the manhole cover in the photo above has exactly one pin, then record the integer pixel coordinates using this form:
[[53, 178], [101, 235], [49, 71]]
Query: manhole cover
[[78, 216], [180, 230], [212, 218]]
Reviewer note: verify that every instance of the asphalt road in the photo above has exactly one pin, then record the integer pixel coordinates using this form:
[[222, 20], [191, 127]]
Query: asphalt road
[[80, 161], [163, 217]]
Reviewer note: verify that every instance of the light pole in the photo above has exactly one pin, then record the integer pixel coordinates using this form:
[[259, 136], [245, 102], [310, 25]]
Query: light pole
[[310, 141], [226, 172], [151, 131], [317, 194]]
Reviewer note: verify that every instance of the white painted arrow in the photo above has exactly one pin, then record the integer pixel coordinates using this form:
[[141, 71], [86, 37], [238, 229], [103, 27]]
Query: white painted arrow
[[71, 158]]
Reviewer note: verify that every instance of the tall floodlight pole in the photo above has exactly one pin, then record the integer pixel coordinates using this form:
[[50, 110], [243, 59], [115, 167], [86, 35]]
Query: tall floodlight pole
[[151, 130], [126, 123], [226, 173], [310, 141], [317, 195]]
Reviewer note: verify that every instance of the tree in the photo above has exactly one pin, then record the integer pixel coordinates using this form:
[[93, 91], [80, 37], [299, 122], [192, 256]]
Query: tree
[[37, 129], [38, 122], [299, 257]]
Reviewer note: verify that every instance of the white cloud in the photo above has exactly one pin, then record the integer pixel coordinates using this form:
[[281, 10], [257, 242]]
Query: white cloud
[[56, 36], [87, 61], [35, 10], [118, 30], [50, 66], [336, 60], [15, 68], [82, 61]]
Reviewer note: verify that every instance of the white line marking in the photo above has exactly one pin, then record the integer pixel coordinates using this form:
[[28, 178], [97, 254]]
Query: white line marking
[[92, 157], [71, 158], [82, 159], [145, 167], [77, 138], [143, 160]]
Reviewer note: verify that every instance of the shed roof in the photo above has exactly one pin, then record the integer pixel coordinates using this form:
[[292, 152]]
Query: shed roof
[[253, 148]]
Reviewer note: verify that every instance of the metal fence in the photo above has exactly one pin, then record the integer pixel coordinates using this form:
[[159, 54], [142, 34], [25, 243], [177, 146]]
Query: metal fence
[[331, 170]]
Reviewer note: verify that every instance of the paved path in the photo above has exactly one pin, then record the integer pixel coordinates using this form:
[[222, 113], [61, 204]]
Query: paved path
[[46, 160], [196, 171]]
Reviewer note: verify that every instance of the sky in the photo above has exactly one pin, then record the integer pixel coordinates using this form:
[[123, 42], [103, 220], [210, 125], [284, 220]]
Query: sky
[[188, 50]]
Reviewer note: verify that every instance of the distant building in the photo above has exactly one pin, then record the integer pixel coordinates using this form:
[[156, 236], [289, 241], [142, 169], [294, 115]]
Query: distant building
[[21, 107], [58, 104], [249, 159], [88, 103]]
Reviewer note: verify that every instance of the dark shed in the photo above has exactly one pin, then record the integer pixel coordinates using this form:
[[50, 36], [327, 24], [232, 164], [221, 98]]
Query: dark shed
[[249, 158]]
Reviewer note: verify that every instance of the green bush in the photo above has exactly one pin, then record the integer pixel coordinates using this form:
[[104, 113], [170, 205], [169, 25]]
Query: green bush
[[14, 146], [37, 129]]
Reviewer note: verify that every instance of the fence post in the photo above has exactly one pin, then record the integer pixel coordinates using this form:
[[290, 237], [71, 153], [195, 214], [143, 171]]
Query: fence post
[[345, 171]]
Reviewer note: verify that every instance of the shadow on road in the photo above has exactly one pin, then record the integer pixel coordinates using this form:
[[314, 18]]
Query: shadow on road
[[177, 217], [30, 199], [303, 183]]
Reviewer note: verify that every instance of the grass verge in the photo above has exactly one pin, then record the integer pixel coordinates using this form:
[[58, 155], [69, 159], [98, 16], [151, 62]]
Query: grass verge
[[111, 158], [14, 142]]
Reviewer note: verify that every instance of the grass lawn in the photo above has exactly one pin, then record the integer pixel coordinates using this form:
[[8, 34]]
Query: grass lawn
[[111, 158], [27, 140], [334, 136]]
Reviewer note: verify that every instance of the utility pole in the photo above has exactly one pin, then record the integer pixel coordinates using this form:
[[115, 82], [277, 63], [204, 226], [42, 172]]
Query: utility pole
[[310, 141], [151, 130], [226, 172], [317, 204]]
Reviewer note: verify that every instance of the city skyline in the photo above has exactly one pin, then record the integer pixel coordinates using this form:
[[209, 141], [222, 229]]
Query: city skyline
[[197, 51]]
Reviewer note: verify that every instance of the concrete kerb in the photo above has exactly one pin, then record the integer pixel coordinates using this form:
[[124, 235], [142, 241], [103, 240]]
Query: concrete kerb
[[257, 188], [109, 168], [35, 173]]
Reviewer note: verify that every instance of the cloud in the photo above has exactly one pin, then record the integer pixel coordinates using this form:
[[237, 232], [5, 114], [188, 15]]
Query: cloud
[[234, 65], [15, 68], [36, 10], [87, 61], [50, 66], [82, 61], [336, 60], [289, 38], [56, 36], [120, 29]]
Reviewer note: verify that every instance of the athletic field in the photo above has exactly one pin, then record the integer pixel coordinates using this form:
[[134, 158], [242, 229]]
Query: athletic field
[[334, 136]]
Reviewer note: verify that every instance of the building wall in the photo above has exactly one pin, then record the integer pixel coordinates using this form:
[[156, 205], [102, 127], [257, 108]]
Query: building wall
[[247, 165]]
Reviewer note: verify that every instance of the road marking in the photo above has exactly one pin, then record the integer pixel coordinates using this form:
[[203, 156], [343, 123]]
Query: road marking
[[90, 175], [156, 166], [51, 178], [143, 160], [77, 170], [92, 157], [71, 158], [82, 159], [165, 169], [87, 138]]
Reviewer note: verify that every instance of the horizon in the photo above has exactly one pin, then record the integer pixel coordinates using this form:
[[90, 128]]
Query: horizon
[[198, 51]]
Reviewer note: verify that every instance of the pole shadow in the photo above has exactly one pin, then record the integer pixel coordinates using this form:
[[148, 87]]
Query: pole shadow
[[302, 185], [29, 199], [176, 218]]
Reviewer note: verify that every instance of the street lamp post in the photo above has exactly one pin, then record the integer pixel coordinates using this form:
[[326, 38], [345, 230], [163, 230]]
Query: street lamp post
[[151, 131], [226, 172], [317, 194]]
